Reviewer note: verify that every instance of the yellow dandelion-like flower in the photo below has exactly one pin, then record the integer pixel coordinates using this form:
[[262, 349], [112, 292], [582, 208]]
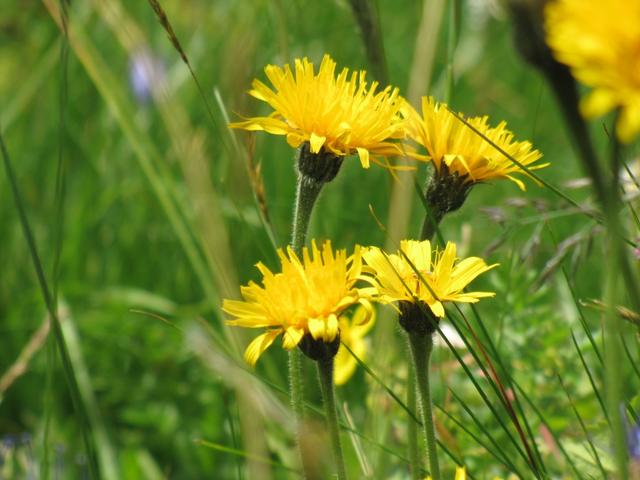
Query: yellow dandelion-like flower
[[352, 332], [452, 144], [343, 115], [442, 278], [600, 43], [306, 297]]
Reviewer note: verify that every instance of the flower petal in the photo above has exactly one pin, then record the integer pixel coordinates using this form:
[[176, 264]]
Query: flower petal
[[259, 345], [316, 142]]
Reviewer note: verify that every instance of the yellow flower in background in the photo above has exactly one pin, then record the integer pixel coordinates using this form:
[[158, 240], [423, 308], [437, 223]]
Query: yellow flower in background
[[461, 474], [452, 144], [341, 114], [306, 297], [443, 277], [600, 43], [352, 333]]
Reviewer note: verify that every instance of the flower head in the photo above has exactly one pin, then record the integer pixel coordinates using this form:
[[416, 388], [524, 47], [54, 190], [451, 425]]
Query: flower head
[[442, 277], [600, 43], [455, 148], [352, 333], [306, 297], [342, 115]]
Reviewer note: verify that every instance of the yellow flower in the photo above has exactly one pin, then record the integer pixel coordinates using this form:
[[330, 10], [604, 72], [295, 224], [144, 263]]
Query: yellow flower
[[306, 297], [352, 333], [442, 277], [600, 43], [343, 114], [451, 143], [461, 474]]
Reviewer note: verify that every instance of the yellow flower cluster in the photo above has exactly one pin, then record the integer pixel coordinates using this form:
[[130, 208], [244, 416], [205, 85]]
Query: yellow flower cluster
[[308, 297], [344, 115]]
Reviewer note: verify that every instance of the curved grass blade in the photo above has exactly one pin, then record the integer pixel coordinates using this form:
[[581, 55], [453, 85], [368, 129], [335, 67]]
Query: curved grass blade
[[542, 419], [591, 380], [72, 383], [594, 452], [496, 450], [234, 451]]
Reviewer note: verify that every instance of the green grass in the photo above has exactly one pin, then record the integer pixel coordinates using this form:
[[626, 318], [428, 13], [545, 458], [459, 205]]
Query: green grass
[[153, 220]]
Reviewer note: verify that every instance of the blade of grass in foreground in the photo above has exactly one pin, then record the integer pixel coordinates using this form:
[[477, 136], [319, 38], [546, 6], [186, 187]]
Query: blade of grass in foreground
[[594, 452], [535, 458], [145, 152], [241, 453], [574, 296], [78, 405], [591, 380], [556, 439], [498, 453]]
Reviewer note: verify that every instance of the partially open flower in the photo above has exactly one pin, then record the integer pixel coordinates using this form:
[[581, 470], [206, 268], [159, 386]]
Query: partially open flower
[[456, 149], [339, 115], [305, 299]]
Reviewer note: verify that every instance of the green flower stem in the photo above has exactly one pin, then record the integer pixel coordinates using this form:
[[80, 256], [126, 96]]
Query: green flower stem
[[421, 347], [307, 192], [430, 225], [412, 427], [325, 375]]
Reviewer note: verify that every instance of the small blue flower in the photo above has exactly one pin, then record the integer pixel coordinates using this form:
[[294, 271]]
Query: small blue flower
[[146, 74], [633, 440]]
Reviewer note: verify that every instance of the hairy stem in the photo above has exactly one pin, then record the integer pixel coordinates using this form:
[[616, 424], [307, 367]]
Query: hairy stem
[[325, 375], [412, 427], [421, 347], [307, 192]]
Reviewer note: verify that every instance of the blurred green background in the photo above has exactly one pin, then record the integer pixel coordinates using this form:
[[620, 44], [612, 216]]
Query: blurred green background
[[159, 221]]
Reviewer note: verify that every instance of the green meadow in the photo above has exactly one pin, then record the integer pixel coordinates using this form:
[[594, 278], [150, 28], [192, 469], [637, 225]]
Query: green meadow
[[129, 211]]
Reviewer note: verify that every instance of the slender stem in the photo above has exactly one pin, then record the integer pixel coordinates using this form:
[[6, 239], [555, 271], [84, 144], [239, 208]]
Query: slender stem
[[421, 347], [307, 192], [325, 375], [432, 219], [412, 427]]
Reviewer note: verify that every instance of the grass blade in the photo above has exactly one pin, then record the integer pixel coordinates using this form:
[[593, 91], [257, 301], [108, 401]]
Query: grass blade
[[72, 383]]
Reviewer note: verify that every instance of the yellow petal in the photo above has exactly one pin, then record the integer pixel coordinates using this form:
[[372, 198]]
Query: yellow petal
[[259, 345], [363, 153], [316, 328], [344, 366], [437, 309], [597, 103], [461, 473], [316, 142], [292, 337], [331, 330]]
